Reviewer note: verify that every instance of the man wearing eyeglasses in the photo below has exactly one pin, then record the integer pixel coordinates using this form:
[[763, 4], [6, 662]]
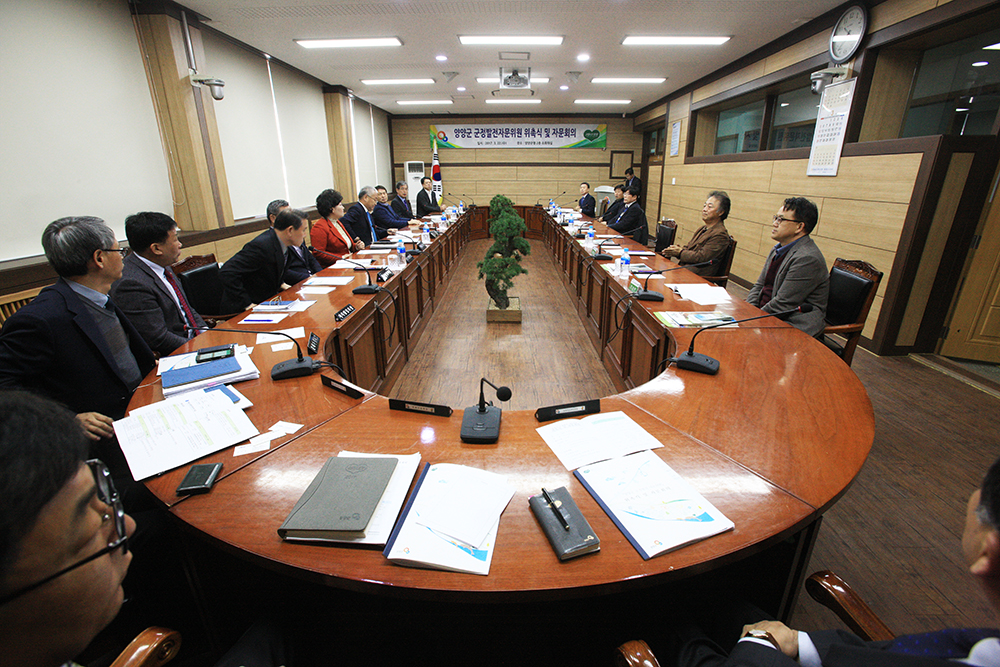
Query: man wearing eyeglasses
[[72, 343], [795, 271]]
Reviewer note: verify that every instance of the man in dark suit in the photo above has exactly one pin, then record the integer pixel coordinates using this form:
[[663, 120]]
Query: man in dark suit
[[632, 217], [795, 271], [72, 343], [401, 204], [615, 207], [257, 272], [149, 292], [385, 216], [359, 218], [632, 181], [588, 205], [773, 644], [427, 202]]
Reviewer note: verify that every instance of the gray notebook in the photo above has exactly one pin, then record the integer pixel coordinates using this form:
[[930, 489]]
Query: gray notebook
[[340, 501]]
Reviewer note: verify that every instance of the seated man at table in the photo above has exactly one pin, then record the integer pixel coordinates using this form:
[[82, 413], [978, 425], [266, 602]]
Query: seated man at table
[[588, 204], [631, 218], [383, 214], [257, 272], [795, 271], [149, 292], [359, 220], [72, 343], [274, 208], [401, 204], [615, 207], [427, 202], [711, 241], [772, 644], [66, 542]]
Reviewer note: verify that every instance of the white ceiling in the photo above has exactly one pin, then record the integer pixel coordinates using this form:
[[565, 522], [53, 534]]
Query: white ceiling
[[429, 28]]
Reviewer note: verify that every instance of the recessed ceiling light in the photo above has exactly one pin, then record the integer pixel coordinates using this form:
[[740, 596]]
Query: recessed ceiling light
[[441, 58], [651, 40], [496, 79], [564, 87], [348, 43], [981, 63], [784, 104], [393, 82], [513, 100], [414, 102], [461, 89], [960, 110], [613, 79], [511, 40], [992, 47], [602, 101], [583, 57]]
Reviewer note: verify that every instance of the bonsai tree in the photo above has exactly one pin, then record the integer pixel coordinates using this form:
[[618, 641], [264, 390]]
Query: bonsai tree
[[503, 260]]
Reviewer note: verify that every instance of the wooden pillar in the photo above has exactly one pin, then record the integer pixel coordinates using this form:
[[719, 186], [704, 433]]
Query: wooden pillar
[[339, 121], [186, 116]]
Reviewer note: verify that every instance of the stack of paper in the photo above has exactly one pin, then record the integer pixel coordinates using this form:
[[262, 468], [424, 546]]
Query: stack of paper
[[451, 520], [246, 370], [706, 295], [578, 442], [692, 319], [164, 435]]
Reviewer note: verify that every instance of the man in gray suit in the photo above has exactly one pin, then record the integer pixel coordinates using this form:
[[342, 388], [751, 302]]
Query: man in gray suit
[[149, 292], [795, 272]]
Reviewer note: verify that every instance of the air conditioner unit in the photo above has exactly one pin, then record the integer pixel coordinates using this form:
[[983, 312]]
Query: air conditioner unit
[[515, 77], [412, 173]]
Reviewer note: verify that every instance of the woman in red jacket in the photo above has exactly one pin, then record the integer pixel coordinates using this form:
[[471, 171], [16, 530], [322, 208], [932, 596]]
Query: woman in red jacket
[[330, 239]]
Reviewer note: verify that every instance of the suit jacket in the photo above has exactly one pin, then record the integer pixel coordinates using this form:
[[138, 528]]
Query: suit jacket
[[53, 347], [634, 181], [588, 205], [632, 219], [427, 203], [356, 222], [150, 306], [707, 243], [401, 205], [298, 268], [836, 648], [614, 208], [328, 241], [254, 274], [386, 218], [802, 278]]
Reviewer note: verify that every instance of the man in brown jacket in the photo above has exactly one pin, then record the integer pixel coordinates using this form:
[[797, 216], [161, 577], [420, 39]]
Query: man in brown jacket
[[709, 242]]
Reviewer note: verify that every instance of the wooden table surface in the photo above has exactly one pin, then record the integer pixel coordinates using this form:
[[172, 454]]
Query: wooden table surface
[[772, 440]]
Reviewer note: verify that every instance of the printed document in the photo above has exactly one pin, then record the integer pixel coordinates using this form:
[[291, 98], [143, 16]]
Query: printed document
[[579, 442]]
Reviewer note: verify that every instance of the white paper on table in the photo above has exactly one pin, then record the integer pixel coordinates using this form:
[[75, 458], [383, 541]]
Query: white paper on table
[[267, 436], [353, 264], [613, 250], [238, 399], [295, 332], [608, 236], [285, 427], [641, 253], [263, 318], [299, 305], [375, 252], [281, 347], [171, 433], [335, 281], [252, 447], [384, 518], [247, 371], [580, 442], [463, 502], [705, 295], [175, 361], [307, 289]]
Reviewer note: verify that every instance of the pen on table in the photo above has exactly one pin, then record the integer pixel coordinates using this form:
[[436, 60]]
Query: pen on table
[[558, 510]]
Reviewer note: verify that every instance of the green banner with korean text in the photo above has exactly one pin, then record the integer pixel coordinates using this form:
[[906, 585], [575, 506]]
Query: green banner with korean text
[[532, 135]]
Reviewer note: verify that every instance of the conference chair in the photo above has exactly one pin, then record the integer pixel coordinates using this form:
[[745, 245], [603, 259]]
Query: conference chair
[[853, 284], [666, 231], [641, 235], [722, 279], [200, 279], [825, 587], [602, 206], [151, 648], [10, 303]]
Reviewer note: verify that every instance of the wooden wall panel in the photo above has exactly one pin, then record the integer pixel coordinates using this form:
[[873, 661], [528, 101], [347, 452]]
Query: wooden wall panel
[[745, 75]]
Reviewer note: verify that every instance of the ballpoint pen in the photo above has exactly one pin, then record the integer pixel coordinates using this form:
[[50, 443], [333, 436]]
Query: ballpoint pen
[[555, 508]]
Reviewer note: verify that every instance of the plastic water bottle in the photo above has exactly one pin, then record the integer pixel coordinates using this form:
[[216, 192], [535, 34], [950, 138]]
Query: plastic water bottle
[[590, 241], [425, 235], [626, 270], [400, 254], [461, 207]]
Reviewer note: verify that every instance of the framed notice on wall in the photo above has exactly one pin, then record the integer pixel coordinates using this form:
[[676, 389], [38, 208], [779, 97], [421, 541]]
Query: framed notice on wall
[[675, 138], [533, 135], [831, 125]]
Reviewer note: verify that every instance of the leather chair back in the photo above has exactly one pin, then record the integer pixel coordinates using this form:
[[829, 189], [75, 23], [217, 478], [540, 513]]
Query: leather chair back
[[848, 293], [665, 234], [204, 289]]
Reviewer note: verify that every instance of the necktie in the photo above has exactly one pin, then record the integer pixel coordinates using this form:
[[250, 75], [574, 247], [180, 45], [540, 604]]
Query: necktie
[[371, 226], [186, 311]]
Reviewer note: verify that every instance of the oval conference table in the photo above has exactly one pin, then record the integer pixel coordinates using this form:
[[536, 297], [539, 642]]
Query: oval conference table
[[772, 440]]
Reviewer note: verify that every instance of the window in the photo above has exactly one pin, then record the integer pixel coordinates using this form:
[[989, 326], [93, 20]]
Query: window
[[739, 129], [794, 119]]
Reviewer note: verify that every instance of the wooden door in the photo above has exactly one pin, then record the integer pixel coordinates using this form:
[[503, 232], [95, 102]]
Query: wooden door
[[974, 328]]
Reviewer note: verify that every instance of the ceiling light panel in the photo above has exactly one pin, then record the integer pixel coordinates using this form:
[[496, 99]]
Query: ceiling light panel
[[513, 101], [496, 79], [637, 80], [354, 43], [511, 40], [394, 82], [665, 40]]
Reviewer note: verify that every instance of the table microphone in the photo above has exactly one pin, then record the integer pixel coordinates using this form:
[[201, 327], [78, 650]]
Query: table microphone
[[700, 363], [462, 194], [600, 255], [283, 370], [360, 289], [538, 202], [481, 423], [646, 294]]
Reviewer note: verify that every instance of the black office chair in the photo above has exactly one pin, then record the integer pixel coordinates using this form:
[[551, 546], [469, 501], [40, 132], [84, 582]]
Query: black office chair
[[853, 284], [721, 277], [641, 235], [201, 282], [666, 232]]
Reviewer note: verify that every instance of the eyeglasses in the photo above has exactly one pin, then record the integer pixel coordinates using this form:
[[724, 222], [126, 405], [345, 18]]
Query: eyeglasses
[[778, 219], [107, 494], [124, 252]]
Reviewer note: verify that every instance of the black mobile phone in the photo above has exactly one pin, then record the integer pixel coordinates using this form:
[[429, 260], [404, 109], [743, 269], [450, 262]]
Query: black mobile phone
[[199, 479], [213, 353]]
